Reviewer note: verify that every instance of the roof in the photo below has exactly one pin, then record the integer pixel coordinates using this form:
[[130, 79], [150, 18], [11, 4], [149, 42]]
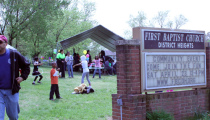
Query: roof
[[110, 53], [99, 34]]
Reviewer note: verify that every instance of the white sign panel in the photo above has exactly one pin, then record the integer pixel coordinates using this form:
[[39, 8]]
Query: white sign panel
[[168, 70]]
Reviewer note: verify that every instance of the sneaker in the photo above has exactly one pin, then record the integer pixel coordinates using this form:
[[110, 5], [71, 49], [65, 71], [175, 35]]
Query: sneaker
[[52, 99], [33, 83], [88, 90], [39, 82]]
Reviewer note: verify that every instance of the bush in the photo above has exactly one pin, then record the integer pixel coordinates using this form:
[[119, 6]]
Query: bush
[[199, 115], [159, 115], [206, 117]]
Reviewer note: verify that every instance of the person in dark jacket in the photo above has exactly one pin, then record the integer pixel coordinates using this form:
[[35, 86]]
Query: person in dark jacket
[[11, 61], [102, 55]]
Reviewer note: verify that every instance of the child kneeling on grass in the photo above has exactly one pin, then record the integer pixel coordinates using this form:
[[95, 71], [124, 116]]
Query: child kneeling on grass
[[84, 64], [54, 82]]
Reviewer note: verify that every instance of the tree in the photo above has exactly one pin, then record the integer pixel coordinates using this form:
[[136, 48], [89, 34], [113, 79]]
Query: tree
[[36, 36], [137, 21], [74, 20], [3, 20], [18, 14], [161, 18], [180, 21], [88, 9], [170, 24], [127, 34], [69, 22], [83, 23], [208, 36]]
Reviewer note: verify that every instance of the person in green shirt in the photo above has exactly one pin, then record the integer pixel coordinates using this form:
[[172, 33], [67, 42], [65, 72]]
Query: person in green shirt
[[61, 62]]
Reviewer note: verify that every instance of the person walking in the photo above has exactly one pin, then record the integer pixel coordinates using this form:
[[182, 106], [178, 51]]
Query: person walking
[[85, 73], [11, 61]]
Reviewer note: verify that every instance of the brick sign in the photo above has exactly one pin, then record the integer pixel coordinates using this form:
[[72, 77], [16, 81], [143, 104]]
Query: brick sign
[[168, 70], [154, 39]]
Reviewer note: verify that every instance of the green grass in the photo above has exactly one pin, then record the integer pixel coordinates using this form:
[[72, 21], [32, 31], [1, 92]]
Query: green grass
[[35, 104]]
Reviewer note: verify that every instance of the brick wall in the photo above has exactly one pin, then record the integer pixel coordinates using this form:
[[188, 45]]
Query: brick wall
[[134, 107], [181, 104], [128, 69]]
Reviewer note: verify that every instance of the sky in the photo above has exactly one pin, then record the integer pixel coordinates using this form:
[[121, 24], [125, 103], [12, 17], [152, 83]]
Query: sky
[[114, 14]]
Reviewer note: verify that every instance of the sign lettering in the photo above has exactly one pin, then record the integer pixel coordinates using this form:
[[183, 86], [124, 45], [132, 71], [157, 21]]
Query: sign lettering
[[166, 70], [172, 40]]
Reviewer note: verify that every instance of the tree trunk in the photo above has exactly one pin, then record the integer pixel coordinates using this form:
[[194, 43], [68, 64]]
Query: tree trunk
[[10, 39], [36, 54]]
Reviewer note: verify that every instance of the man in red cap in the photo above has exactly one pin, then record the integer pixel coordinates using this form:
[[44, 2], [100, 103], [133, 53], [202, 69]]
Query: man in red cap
[[10, 63]]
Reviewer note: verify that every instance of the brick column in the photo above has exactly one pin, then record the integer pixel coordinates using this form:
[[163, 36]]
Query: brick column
[[128, 67], [208, 65], [128, 82]]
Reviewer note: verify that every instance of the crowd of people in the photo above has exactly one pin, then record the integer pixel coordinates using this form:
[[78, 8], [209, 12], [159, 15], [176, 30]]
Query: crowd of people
[[68, 61], [71, 62], [11, 77]]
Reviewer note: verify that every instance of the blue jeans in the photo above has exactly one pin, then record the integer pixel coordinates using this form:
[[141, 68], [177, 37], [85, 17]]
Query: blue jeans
[[69, 67], [99, 72], [10, 102], [87, 77]]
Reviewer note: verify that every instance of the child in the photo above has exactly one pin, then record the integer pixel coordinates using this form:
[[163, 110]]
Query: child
[[97, 66], [84, 64], [35, 70], [54, 82]]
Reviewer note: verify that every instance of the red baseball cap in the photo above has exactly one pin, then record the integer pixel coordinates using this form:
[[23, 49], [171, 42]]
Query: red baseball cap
[[3, 38]]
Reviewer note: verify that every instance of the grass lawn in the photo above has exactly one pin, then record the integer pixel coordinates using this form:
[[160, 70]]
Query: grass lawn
[[35, 104]]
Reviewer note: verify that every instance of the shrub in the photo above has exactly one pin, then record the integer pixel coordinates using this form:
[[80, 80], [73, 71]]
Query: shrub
[[159, 115], [199, 115]]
